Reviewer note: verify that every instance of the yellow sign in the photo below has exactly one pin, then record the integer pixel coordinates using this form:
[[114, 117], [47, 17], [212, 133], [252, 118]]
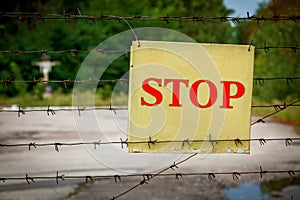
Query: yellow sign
[[190, 97]]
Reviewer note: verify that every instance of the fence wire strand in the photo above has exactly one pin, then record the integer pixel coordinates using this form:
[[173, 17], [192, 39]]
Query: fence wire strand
[[50, 111], [237, 141], [42, 17], [74, 52], [117, 178], [257, 80]]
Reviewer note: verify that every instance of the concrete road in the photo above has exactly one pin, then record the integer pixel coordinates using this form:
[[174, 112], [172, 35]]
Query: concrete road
[[112, 159]]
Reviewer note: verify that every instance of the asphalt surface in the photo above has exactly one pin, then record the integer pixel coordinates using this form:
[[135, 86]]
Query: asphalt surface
[[112, 159]]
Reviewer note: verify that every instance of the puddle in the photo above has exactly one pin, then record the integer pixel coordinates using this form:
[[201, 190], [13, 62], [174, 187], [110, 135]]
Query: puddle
[[246, 191]]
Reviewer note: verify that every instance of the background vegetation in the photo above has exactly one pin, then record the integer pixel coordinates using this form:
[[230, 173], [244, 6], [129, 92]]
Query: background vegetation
[[79, 34]]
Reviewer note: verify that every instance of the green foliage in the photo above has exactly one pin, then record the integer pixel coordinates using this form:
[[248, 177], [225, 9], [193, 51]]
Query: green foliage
[[38, 91], [290, 115], [105, 92], [20, 88], [73, 34], [275, 62]]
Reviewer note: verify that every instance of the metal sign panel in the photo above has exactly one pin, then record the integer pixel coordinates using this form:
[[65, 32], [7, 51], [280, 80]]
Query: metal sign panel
[[190, 97]]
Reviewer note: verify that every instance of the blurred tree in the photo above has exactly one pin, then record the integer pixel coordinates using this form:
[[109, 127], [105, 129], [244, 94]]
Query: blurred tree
[[276, 62], [79, 34]]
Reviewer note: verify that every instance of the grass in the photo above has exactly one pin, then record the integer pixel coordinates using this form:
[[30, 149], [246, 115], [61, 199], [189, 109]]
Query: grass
[[56, 99], [78, 189], [279, 184], [290, 115]]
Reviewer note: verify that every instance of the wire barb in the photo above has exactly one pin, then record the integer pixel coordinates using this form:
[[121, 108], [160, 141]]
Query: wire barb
[[211, 176], [123, 142], [235, 175], [110, 108], [147, 177], [262, 172], [117, 178], [174, 166], [151, 142], [177, 175], [6, 81], [20, 111], [291, 173], [288, 141], [262, 141], [79, 110], [31, 144], [27, 178], [97, 143], [50, 111], [185, 142], [213, 142], [89, 178], [61, 177], [3, 179], [143, 182], [237, 141], [56, 144]]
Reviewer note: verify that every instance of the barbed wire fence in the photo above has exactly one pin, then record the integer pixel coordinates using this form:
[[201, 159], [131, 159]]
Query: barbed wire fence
[[145, 178], [257, 80], [42, 17], [74, 52], [52, 111], [262, 141], [148, 177]]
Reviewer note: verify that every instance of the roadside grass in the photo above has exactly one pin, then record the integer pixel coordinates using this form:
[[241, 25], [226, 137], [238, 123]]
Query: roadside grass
[[56, 99], [279, 184], [290, 115], [79, 188]]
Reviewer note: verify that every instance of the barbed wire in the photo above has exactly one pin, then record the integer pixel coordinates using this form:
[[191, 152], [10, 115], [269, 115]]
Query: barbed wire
[[42, 17], [267, 48], [59, 177], [53, 111], [257, 80], [75, 52], [262, 141], [211, 175], [49, 110], [261, 80], [277, 110], [69, 81], [146, 177], [275, 106]]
